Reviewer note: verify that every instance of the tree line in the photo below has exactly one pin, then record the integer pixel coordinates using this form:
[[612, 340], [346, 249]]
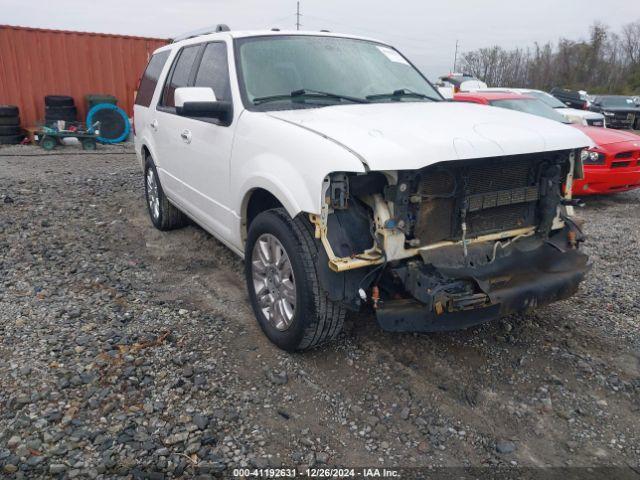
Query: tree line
[[606, 62]]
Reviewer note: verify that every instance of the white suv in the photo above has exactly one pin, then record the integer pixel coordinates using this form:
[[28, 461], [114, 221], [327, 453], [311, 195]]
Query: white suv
[[335, 169]]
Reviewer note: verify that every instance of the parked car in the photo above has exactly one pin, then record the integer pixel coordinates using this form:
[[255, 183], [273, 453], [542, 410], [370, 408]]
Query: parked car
[[338, 172], [573, 115], [453, 83], [611, 165], [571, 98], [621, 111]]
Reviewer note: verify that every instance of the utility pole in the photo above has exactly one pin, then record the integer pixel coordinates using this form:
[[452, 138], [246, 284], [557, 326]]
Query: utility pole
[[298, 17], [455, 58]]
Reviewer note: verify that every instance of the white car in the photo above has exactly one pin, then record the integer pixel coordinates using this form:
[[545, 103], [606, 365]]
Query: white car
[[573, 115], [345, 181], [453, 83]]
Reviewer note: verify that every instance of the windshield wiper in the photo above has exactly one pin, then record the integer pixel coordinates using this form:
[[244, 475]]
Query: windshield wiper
[[402, 93], [305, 92]]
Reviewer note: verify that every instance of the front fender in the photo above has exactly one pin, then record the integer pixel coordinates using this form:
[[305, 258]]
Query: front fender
[[293, 193], [288, 161]]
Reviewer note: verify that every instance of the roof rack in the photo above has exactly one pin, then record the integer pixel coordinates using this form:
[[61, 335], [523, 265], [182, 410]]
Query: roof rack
[[221, 27]]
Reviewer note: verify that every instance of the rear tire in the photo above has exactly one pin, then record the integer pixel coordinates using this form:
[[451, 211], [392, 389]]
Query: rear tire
[[164, 215], [10, 139], [314, 319], [10, 121], [58, 101], [9, 111], [6, 130]]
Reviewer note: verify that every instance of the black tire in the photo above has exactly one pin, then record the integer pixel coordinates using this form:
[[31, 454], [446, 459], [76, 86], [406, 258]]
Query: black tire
[[88, 144], [10, 121], [94, 99], [9, 111], [169, 217], [10, 139], [9, 130], [316, 319], [55, 112], [58, 101]]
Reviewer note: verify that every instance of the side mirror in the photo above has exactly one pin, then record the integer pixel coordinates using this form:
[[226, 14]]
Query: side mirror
[[201, 102]]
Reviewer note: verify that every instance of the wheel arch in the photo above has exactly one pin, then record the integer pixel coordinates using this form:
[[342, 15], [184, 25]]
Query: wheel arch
[[259, 199]]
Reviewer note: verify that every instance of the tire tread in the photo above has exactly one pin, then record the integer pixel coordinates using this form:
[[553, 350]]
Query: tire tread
[[328, 318]]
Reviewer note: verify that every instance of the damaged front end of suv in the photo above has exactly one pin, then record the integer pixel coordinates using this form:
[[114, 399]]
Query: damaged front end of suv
[[455, 243]]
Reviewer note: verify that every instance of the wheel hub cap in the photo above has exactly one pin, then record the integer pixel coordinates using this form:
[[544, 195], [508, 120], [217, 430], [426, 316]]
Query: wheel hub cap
[[152, 194], [273, 281]]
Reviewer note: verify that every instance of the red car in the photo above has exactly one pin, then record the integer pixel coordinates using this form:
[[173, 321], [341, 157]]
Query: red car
[[613, 165]]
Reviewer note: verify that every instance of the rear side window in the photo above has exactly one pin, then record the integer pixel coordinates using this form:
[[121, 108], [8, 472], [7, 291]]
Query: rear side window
[[180, 74], [214, 71], [150, 78]]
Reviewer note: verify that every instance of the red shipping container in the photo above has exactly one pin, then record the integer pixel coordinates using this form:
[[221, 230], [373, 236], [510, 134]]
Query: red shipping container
[[36, 62]]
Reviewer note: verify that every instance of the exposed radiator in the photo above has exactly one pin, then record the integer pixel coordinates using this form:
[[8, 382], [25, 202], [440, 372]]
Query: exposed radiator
[[496, 194]]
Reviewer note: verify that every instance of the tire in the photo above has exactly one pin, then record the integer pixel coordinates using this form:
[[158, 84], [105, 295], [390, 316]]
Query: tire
[[9, 130], [165, 216], [58, 101], [61, 113], [48, 143], [10, 121], [88, 144], [94, 99], [10, 139], [9, 111], [315, 319]]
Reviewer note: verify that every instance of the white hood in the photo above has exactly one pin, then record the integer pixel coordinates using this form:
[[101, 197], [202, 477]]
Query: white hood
[[392, 136]]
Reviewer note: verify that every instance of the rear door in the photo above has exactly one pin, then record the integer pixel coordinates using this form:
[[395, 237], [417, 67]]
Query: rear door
[[201, 147], [143, 113], [167, 125]]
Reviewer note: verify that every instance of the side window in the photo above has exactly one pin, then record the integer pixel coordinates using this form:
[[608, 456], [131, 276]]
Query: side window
[[150, 78], [179, 75], [214, 71]]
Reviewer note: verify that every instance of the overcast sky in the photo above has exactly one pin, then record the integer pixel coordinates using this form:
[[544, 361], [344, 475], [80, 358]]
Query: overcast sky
[[426, 31]]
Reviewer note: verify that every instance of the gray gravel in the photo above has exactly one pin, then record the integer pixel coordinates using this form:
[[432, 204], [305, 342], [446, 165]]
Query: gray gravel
[[129, 352]]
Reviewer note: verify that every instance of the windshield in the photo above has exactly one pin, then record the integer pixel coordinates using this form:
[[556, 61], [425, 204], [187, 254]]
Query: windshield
[[314, 67], [550, 100], [616, 102], [530, 105]]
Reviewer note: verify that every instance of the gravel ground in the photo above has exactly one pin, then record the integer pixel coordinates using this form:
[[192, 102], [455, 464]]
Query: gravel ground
[[125, 351]]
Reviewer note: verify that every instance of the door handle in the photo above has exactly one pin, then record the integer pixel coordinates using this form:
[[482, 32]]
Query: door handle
[[186, 136], [154, 125]]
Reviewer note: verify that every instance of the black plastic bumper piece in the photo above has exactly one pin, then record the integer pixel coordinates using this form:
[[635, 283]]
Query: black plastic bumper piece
[[518, 282]]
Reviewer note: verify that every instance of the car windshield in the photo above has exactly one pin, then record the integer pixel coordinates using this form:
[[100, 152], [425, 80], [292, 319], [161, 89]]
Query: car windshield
[[285, 72], [550, 100], [530, 105], [616, 102]]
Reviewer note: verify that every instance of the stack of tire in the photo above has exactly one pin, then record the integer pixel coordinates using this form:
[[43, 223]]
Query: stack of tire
[[93, 99], [10, 133], [59, 107]]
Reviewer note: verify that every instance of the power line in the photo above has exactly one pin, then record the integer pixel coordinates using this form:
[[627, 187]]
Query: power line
[[272, 22], [377, 32]]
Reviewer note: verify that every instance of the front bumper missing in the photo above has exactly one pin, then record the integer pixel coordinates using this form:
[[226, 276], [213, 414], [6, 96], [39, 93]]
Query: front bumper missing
[[469, 296]]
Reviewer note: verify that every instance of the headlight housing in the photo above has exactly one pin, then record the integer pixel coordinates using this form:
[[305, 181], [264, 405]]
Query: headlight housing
[[591, 157]]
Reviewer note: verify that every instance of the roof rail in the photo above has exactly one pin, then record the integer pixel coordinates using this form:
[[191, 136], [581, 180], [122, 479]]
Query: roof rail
[[221, 27]]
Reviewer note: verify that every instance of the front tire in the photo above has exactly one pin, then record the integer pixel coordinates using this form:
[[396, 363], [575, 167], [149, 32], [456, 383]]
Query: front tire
[[164, 215], [281, 258]]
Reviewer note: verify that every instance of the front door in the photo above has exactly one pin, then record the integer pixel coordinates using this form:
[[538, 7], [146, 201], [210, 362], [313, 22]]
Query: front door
[[197, 151]]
